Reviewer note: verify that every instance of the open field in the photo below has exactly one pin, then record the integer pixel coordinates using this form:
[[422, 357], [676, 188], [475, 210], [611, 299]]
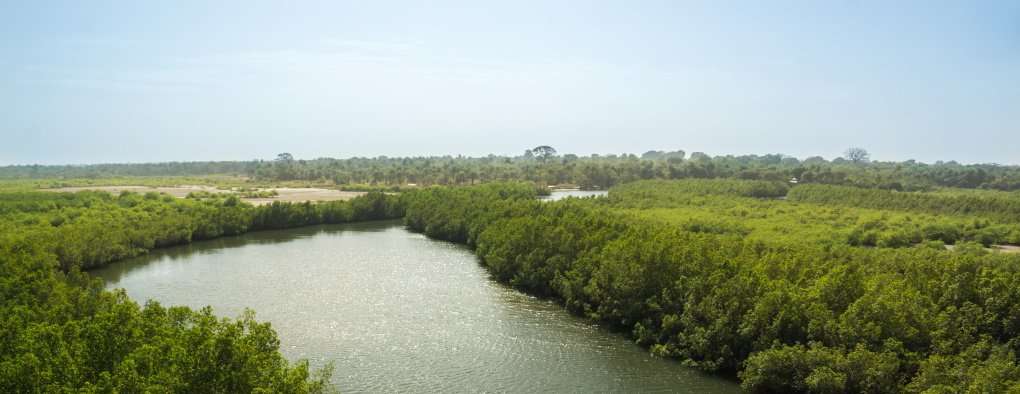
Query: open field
[[302, 194], [789, 221], [287, 194], [176, 191], [217, 181]]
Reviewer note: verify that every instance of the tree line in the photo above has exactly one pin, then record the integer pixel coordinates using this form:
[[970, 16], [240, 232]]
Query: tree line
[[543, 165]]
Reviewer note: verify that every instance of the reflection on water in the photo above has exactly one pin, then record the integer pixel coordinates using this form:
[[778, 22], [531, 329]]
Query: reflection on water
[[396, 311], [187, 252]]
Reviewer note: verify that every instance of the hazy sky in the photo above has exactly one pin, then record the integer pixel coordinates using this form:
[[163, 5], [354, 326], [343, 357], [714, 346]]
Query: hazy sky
[[139, 81]]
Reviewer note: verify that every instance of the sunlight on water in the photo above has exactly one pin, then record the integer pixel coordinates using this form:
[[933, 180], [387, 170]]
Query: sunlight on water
[[396, 311]]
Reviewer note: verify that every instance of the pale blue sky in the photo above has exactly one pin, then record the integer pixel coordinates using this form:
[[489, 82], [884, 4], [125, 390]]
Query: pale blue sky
[[92, 81]]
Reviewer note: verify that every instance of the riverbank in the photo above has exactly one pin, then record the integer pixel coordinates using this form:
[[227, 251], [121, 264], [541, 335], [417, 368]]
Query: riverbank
[[397, 311], [64, 333]]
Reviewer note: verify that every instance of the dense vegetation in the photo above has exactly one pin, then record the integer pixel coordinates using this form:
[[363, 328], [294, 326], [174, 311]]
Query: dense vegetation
[[543, 166], [60, 331], [89, 229], [784, 315], [1001, 207], [668, 193], [810, 288], [853, 220]]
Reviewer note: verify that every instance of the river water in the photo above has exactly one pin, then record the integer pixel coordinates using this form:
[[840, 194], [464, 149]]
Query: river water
[[396, 311], [561, 194]]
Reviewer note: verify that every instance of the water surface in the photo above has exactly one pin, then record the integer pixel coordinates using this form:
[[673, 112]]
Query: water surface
[[397, 311], [561, 194]]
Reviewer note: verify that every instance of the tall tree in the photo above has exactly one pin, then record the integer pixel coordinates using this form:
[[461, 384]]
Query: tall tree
[[857, 155], [544, 152]]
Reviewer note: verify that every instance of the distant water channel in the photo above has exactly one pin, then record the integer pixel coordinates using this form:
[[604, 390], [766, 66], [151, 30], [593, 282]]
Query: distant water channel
[[561, 194], [396, 311]]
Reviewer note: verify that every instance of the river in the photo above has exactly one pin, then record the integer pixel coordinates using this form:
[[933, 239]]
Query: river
[[561, 194], [396, 311]]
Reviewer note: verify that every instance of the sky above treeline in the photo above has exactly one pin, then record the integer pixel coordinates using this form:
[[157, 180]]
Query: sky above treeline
[[97, 81]]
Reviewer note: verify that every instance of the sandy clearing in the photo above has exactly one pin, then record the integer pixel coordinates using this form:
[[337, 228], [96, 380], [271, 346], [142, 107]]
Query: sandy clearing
[[289, 194], [302, 194], [1007, 248]]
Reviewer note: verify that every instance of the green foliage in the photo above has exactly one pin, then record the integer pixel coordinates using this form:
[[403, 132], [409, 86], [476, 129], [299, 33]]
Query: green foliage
[[372, 206], [982, 368], [820, 369], [784, 314], [90, 229], [672, 192], [834, 290], [64, 333], [60, 331], [998, 206], [726, 207], [439, 212]]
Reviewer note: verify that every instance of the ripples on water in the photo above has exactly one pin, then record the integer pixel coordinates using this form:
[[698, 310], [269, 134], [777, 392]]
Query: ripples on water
[[396, 311]]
